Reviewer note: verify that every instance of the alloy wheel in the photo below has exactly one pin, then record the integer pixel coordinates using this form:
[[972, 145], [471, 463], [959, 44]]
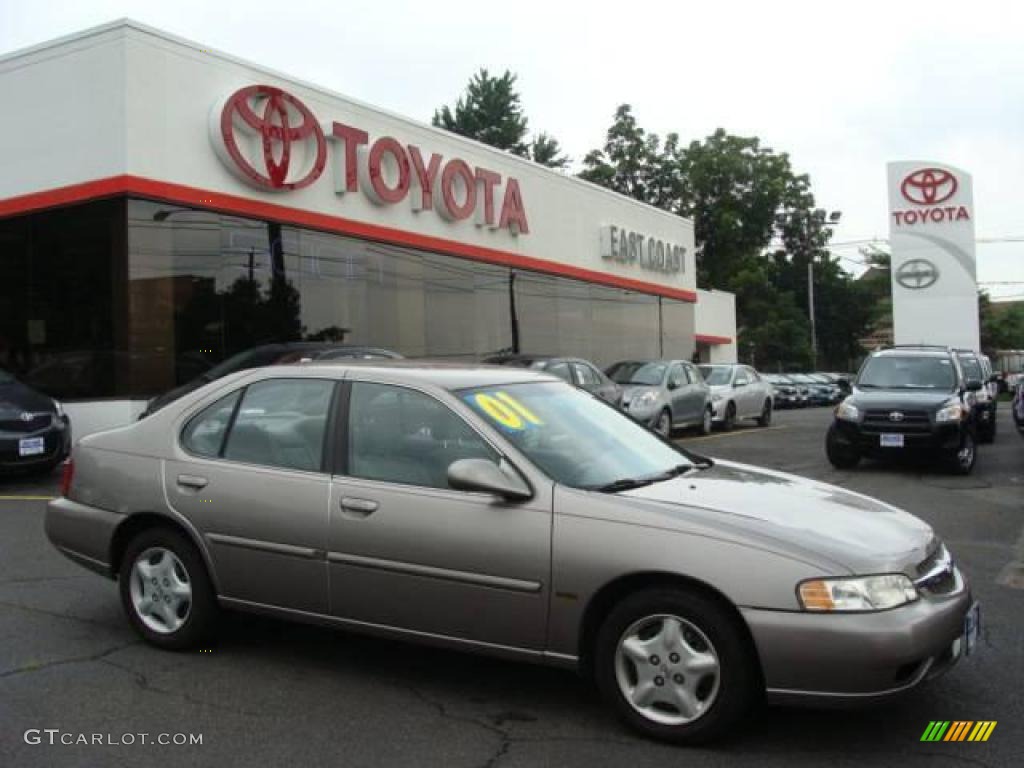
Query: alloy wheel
[[667, 669], [161, 590]]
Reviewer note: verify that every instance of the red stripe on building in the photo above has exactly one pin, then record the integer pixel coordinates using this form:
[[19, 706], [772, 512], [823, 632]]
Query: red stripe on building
[[193, 197]]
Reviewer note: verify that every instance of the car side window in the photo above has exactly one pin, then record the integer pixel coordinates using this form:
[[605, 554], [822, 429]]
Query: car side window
[[676, 376], [281, 423], [693, 374], [400, 435], [586, 377], [561, 370], [204, 433], [741, 377]]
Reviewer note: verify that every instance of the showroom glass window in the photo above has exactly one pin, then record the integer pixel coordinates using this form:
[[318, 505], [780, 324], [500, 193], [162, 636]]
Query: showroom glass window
[[61, 300]]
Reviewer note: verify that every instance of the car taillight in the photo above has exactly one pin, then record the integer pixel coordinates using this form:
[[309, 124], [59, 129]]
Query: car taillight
[[66, 476]]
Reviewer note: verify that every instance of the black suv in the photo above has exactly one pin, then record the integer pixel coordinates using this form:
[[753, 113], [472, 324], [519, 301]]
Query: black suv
[[976, 366], [912, 399]]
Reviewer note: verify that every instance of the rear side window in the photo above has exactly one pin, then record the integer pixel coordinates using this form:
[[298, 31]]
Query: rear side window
[[281, 423], [204, 434], [561, 370]]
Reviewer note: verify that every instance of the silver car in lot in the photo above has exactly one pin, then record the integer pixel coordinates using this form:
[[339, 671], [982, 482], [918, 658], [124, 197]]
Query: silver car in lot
[[503, 511], [664, 394], [738, 392]]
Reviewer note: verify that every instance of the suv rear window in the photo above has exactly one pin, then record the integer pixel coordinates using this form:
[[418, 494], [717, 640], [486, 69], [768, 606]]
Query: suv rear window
[[910, 372]]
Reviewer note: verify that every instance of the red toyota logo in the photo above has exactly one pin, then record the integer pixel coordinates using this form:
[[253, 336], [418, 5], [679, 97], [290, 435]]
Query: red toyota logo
[[280, 121], [929, 186]]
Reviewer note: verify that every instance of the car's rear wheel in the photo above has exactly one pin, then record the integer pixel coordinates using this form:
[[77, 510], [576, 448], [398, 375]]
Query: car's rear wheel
[[765, 419], [675, 666], [166, 591], [663, 425], [729, 421], [961, 462], [840, 455], [708, 421]]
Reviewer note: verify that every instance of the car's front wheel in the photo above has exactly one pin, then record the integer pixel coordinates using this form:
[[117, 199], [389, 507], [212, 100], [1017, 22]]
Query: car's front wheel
[[840, 455], [962, 461], [765, 419], [663, 424], [166, 591], [675, 665], [729, 420]]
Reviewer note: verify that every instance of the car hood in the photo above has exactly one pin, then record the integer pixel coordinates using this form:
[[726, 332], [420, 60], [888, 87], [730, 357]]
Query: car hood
[[900, 398], [16, 397], [803, 518]]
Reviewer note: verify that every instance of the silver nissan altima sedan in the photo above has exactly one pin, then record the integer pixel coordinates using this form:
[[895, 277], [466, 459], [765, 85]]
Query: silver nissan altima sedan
[[501, 510]]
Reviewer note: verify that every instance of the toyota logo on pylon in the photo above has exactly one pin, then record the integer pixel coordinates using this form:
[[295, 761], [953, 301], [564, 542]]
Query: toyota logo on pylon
[[929, 186], [282, 133], [917, 274]]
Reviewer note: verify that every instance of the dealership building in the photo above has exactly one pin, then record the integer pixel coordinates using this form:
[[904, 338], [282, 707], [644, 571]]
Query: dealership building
[[164, 206]]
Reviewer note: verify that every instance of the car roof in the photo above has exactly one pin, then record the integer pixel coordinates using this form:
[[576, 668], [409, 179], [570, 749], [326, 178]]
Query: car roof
[[916, 351], [445, 375]]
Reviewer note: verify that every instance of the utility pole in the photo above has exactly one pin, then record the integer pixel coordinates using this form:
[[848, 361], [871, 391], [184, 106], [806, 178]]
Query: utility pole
[[810, 311]]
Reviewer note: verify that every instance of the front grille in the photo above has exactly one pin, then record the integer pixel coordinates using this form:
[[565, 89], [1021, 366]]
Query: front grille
[[24, 426], [911, 421]]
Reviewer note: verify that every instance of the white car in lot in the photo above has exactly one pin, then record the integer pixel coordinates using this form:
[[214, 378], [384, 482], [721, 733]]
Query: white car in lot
[[738, 392]]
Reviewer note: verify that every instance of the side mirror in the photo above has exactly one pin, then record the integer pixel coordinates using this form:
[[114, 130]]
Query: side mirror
[[674, 384], [844, 385], [973, 385], [487, 477]]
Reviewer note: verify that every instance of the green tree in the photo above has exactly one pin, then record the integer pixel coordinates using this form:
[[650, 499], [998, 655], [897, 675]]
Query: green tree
[[1002, 324], [490, 111]]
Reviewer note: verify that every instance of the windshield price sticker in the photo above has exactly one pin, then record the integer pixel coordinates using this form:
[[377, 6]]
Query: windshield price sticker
[[505, 410]]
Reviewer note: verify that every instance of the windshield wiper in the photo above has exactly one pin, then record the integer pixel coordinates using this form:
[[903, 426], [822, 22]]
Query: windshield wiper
[[628, 483]]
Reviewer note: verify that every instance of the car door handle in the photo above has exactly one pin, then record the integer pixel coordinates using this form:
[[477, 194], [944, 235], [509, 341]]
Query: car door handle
[[358, 507], [192, 481]]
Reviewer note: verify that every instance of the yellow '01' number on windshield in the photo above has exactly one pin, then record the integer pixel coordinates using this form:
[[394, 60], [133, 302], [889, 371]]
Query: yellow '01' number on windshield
[[506, 410]]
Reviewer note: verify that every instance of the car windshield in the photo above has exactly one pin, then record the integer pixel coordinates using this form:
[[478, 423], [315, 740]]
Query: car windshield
[[577, 439], [910, 372], [716, 375], [651, 374]]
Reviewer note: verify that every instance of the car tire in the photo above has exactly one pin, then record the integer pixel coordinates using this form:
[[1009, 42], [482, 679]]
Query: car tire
[[189, 607], [839, 455], [729, 420], [708, 421], [765, 419], [988, 433], [663, 424], [962, 461], [701, 676]]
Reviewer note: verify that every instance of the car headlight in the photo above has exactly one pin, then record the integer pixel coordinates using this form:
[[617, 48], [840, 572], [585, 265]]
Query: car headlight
[[645, 399], [847, 411], [863, 593], [949, 413]]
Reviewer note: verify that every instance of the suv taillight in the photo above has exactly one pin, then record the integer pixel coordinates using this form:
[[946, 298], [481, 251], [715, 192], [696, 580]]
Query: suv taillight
[[66, 476]]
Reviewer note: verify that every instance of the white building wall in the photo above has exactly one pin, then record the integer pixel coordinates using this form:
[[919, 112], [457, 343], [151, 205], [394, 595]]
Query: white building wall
[[716, 319]]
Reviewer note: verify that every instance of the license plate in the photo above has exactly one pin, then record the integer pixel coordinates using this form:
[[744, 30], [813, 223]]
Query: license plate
[[31, 446], [972, 627], [891, 441]]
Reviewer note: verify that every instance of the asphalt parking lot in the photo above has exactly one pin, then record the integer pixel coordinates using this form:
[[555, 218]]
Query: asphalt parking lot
[[272, 693]]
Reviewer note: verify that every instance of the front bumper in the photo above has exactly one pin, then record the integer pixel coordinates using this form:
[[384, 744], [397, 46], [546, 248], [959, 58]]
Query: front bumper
[[859, 657], [936, 439], [56, 447]]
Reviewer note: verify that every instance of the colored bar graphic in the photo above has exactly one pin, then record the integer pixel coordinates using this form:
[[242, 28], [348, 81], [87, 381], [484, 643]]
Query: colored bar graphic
[[958, 730], [935, 730]]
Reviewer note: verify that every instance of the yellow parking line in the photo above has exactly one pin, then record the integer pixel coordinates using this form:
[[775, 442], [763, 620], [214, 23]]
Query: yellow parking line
[[27, 498], [751, 431]]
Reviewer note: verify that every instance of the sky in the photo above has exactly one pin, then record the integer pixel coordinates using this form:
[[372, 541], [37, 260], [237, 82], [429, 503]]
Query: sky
[[842, 88]]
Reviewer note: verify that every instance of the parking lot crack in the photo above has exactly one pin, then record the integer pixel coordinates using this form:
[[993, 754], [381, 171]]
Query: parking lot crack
[[40, 666]]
